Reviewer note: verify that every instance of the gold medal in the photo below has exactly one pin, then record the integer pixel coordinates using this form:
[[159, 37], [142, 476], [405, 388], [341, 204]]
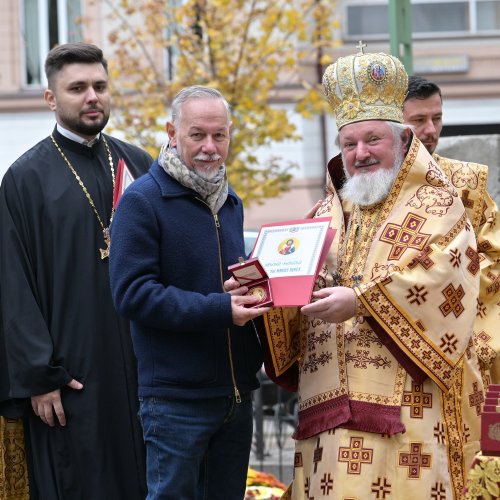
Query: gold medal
[[258, 292]]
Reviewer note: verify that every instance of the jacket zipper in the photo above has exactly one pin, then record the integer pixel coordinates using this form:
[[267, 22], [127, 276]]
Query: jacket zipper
[[237, 395]]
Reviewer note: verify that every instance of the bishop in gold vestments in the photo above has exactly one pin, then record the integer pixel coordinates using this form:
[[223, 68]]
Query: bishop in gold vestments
[[390, 398]]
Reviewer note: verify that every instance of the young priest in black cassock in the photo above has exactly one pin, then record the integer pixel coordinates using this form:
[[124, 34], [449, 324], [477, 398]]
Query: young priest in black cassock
[[63, 348]]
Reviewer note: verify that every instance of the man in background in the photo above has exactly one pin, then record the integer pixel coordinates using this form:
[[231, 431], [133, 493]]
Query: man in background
[[66, 356], [423, 110]]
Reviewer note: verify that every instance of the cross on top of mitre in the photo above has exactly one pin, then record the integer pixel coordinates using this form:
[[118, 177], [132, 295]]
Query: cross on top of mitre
[[360, 47]]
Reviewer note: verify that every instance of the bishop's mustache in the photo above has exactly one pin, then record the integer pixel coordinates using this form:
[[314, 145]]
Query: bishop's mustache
[[365, 163]]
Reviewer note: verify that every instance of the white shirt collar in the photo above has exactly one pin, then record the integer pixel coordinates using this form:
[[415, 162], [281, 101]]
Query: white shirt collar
[[74, 137]]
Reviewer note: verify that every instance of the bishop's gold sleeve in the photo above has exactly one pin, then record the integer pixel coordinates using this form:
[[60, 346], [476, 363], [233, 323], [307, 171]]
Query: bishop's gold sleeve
[[428, 309]]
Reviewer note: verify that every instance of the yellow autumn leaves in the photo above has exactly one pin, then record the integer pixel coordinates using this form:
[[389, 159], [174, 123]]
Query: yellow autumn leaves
[[254, 51]]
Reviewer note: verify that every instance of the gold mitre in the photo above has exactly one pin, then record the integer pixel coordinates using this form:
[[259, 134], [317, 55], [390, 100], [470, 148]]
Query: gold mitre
[[366, 87]]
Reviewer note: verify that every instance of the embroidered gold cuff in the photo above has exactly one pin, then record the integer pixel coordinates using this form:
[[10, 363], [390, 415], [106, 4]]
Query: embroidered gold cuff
[[361, 310]]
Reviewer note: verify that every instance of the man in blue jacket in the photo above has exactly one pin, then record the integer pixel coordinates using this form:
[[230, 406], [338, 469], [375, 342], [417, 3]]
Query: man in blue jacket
[[174, 234]]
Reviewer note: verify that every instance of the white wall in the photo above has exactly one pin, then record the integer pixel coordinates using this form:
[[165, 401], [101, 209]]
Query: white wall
[[477, 111], [20, 131]]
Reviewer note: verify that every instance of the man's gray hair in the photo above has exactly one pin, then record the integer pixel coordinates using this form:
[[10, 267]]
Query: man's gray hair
[[195, 92]]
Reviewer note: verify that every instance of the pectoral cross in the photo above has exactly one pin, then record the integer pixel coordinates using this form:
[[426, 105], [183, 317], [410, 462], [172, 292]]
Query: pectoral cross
[[357, 278], [337, 278], [107, 241]]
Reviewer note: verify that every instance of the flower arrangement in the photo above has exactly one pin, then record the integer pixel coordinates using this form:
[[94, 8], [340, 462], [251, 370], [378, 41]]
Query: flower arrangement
[[484, 479], [263, 486]]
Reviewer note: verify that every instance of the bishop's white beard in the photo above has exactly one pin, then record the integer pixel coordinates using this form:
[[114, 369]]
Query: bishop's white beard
[[369, 188]]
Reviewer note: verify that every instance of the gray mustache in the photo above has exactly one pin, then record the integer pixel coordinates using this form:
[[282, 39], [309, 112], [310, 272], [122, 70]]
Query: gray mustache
[[205, 157], [365, 163]]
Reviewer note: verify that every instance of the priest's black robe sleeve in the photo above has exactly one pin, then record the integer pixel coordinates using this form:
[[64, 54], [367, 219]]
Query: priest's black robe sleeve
[[28, 345]]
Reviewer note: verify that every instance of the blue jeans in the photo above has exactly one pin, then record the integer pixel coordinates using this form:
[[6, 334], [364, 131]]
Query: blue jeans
[[197, 449]]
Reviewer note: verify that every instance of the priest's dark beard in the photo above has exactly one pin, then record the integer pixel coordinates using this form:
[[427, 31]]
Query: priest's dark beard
[[89, 129]]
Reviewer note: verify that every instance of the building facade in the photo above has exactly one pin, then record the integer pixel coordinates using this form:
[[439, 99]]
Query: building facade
[[456, 43]]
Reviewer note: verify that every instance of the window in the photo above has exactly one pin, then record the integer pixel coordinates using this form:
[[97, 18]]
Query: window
[[365, 20], [488, 15], [47, 23], [440, 16], [370, 19]]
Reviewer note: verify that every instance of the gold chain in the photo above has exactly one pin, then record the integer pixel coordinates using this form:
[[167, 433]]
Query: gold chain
[[105, 230]]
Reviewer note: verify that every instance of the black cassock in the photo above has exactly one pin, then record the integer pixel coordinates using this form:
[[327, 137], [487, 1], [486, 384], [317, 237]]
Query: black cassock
[[59, 323]]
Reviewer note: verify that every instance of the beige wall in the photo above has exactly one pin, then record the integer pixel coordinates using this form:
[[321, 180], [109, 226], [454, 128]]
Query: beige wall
[[481, 82], [24, 115], [13, 97], [10, 47], [293, 204], [482, 78]]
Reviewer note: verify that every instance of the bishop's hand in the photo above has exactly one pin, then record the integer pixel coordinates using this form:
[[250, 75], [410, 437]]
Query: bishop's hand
[[333, 305], [312, 211]]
